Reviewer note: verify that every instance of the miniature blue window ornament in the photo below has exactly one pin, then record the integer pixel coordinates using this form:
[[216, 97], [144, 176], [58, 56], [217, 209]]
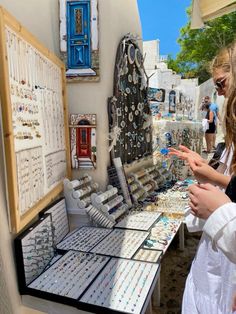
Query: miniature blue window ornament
[[164, 151]]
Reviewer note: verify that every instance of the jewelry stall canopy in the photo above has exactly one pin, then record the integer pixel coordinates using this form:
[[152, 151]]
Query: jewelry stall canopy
[[34, 119]]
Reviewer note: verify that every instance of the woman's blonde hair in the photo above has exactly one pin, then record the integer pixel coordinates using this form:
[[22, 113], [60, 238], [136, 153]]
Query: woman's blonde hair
[[230, 114], [226, 61], [221, 61]]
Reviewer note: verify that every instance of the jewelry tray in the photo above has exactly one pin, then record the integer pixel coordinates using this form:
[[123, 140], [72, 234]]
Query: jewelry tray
[[137, 221], [72, 277], [121, 243], [83, 239], [60, 219]]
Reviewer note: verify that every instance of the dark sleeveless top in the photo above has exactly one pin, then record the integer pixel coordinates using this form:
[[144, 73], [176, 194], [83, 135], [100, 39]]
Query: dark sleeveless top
[[212, 126], [231, 189]]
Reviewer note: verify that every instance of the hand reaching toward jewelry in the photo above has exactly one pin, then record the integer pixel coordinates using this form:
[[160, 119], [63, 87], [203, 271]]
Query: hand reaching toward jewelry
[[205, 199], [185, 153], [206, 174]]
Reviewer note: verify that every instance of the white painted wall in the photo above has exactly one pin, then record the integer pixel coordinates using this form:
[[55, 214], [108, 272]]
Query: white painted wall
[[116, 18], [162, 77], [151, 53]]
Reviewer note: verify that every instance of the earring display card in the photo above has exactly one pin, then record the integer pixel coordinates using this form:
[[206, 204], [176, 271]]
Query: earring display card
[[35, 124], [34, 250], [123, 285], [71, 274], [83, 239], [59, 220], [121, 243], [153, 256], [138, 221]]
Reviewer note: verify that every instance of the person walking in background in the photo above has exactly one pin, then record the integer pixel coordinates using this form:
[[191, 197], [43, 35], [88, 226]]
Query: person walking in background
[[210, 132], [215, 108]]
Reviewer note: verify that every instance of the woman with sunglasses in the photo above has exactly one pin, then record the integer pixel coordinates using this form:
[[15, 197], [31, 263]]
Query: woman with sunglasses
[[210, 285]]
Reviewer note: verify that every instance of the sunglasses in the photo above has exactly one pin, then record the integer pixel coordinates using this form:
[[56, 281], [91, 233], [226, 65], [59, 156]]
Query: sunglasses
[[221, 83]]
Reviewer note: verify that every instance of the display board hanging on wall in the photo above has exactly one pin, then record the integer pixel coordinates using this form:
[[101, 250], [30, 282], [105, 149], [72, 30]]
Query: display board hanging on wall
[[128, 109], [35, 126]]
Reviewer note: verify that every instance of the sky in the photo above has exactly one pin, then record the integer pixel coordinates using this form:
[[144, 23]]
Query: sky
[[162, 19]]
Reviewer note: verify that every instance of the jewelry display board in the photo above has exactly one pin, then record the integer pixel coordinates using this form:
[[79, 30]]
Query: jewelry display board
[[108, 207], [70, 275], [173, 133], [122, 286], [35, 126], [162, 234], [141, 184], [83, 239], [34, 250], [121, 243], [138, 221], [78, 192], [148, 255], [128, 110], [60, 220]]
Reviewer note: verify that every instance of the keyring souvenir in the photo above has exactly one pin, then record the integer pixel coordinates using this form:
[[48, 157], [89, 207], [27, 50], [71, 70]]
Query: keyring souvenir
[[138, 57], [130, 78], [122, 124], [131, 53], [131, 116]]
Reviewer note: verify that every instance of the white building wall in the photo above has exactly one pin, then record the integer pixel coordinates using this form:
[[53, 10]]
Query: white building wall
[[189, 88], [41, 18], [165, 78], [151, 53]]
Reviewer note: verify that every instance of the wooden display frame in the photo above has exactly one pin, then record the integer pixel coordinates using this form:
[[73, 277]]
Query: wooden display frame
[[18, 220]]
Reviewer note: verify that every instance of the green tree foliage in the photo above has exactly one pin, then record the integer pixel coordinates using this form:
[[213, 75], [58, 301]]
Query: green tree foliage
[[199, 46]]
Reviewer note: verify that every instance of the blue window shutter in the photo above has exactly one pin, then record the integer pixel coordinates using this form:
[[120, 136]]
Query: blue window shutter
[[78, 34]]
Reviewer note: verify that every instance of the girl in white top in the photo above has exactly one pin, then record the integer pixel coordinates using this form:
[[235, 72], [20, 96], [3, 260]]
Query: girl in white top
[[211, 283]]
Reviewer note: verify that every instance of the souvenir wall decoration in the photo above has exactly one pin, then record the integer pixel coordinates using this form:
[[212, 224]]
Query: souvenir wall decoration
[[35, 127], [79, 39], [128, 109], [155, 108], [173, 133], [83, 141], [172, 101], [156, 94]]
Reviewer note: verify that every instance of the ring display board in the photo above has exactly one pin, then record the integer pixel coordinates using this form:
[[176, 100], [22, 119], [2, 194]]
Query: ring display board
[[35, 123]]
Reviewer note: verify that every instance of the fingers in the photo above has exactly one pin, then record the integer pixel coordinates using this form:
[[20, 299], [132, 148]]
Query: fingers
[[193, 199], [208, 187], [194, 189], [177, 153], [185, 149], [194, 209], [192, 164]]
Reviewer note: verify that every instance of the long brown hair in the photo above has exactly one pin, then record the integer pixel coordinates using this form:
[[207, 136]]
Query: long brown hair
[[230, 114], [226, 60]]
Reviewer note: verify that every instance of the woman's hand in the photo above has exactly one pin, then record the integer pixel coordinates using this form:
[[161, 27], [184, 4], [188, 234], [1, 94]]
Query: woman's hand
[[206, 174], [202, 171], [205, 199], [185, 153]]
